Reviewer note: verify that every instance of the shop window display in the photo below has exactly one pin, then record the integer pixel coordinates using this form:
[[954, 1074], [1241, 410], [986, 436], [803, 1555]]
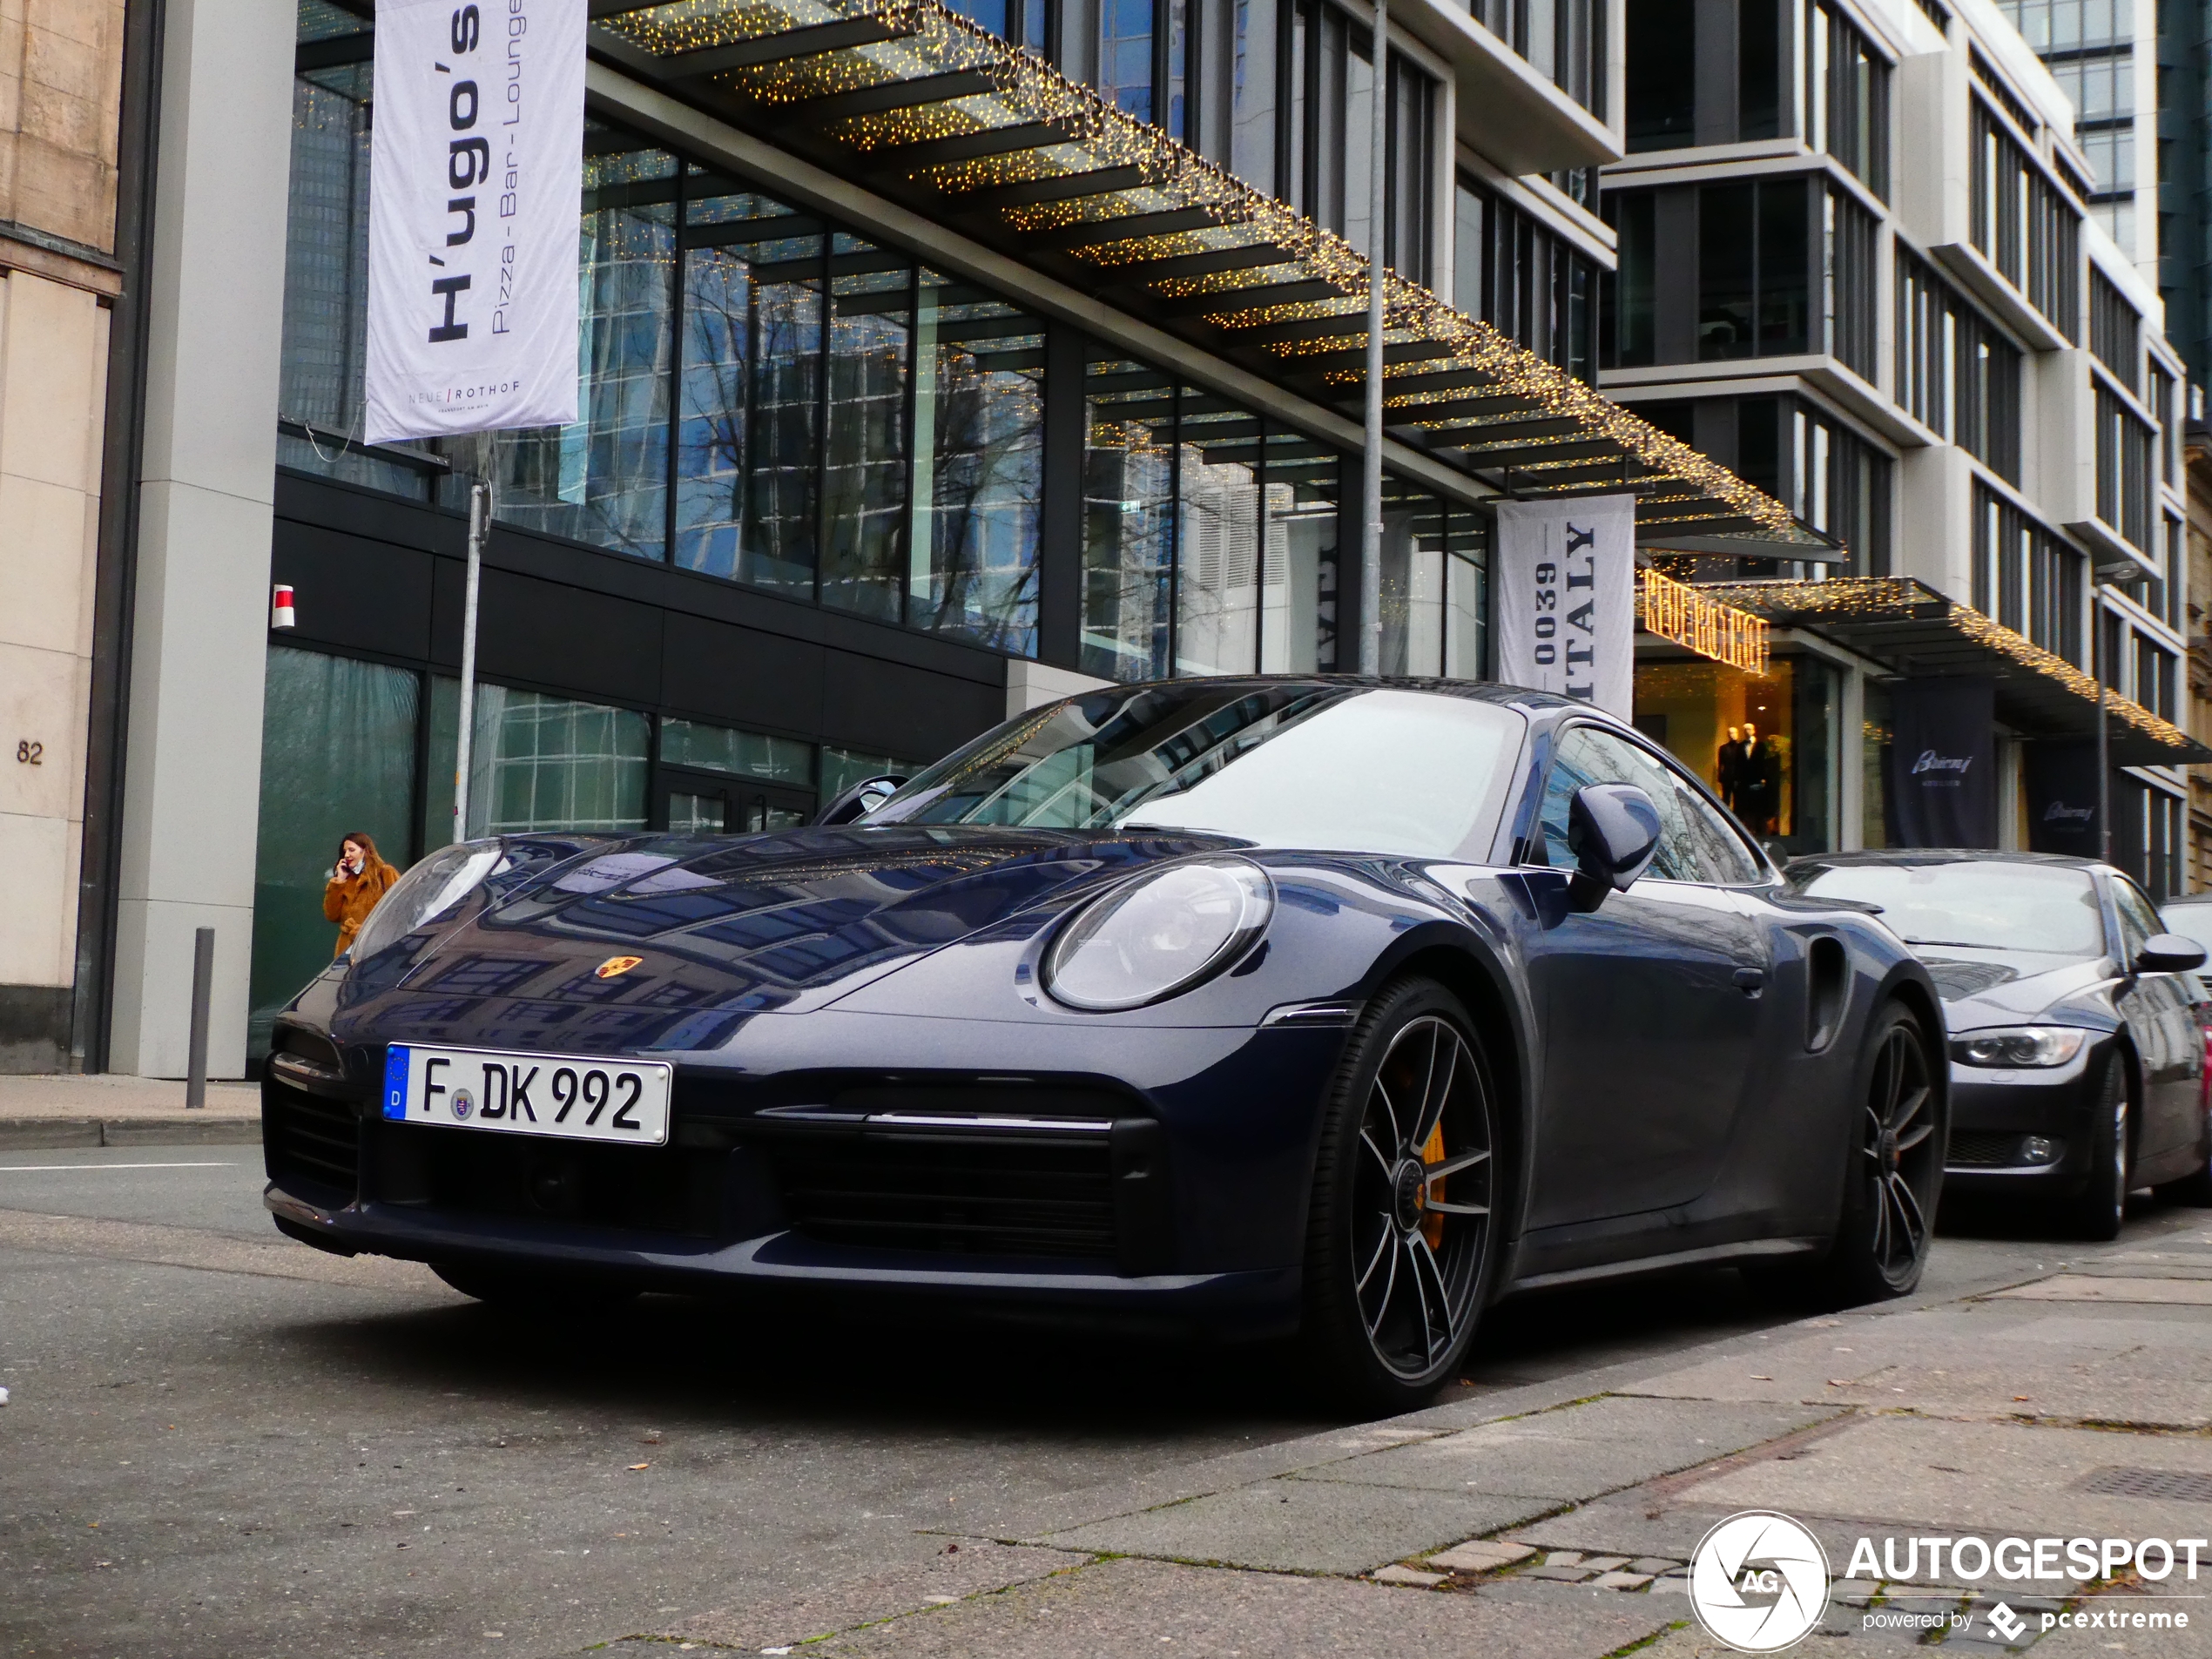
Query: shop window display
[[1764, 744]]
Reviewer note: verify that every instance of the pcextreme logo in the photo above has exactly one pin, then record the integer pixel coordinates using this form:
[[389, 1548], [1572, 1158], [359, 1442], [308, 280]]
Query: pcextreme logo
[[1758, 1581]]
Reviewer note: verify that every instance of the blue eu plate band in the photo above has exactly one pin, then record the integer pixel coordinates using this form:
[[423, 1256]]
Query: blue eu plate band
[[395, 1081]]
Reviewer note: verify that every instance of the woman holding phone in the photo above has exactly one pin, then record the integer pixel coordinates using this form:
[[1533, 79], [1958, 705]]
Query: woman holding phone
[[357, 881]]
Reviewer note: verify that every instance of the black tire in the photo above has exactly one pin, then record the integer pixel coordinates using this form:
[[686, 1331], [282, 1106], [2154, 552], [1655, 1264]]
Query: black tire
[[2097, 1210], [1892, 1183], [519, 1289], [1400, 1239]]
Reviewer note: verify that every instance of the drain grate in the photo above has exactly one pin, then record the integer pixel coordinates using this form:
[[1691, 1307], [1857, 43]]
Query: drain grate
[[2148, 1483]]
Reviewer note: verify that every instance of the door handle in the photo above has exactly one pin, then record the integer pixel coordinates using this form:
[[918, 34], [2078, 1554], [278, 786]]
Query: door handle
[[1750, 981]]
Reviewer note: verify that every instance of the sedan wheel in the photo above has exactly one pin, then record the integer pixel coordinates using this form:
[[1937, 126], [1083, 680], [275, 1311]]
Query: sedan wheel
[[1901, 1167], [2097, 1211], [1399, 1251]]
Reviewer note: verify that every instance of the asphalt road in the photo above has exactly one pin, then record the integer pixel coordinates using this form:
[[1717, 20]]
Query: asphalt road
[[220, 1444]]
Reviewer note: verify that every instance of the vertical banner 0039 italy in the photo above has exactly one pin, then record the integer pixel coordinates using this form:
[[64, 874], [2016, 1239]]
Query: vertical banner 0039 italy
[[475, 176], [1566, 598]]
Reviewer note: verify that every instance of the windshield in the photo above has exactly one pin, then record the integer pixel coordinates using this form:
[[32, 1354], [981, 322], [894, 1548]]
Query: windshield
[[1977, 906], [1334, 768]]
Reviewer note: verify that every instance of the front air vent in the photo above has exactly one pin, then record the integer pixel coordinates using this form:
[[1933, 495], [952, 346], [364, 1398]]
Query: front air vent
[[1979, 1148], [309, 1138], [953, 1188], [1827, 990]]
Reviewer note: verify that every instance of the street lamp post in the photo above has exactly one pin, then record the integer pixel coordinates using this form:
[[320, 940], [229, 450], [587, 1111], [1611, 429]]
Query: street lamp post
[[1371, 494]]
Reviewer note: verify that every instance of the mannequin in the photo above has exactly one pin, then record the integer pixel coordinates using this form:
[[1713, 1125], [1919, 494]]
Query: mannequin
[[1758, 783], [1728, 766]]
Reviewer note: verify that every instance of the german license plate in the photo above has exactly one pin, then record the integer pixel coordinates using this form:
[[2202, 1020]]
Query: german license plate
[[579, 1097]]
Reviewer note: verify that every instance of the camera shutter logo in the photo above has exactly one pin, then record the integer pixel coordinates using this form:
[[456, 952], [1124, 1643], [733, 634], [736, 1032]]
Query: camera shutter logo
[[1759, 1581]]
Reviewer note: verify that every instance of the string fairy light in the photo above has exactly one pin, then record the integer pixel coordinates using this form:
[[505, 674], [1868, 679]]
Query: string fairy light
[[1901, 599], [992, 86]]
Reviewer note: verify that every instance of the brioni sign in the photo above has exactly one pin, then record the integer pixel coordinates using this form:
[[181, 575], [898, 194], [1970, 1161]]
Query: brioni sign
[[475, 177]]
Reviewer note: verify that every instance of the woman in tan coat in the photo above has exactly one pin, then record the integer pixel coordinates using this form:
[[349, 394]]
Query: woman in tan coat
[[359, 879]]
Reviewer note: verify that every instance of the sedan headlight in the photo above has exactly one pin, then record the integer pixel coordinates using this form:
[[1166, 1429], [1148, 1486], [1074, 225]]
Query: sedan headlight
[[428, 890], [1159, 935], [2020, 1045]]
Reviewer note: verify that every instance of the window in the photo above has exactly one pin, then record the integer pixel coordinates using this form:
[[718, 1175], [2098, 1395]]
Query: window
[[1694, 844], [1850, 307], [2115, 330], [1530, 284], [2164, 406], [1327, 69], [2023, 224], [537, 763], [971, 547], [337, 759], [2062, 25], [1955, 372], [748, 438], [1564, 39], [1145, 61], [1129, 520], [1831, 478], [1025, 22], [1753, 295], [1629, 325], [2125, 447], [742, 754], [1847, 97], [1662, 74], [605, 479], [2025, 576]]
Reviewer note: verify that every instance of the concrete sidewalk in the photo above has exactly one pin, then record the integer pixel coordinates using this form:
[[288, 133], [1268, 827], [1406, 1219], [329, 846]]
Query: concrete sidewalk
[[54, 1111], [1557, 1521]]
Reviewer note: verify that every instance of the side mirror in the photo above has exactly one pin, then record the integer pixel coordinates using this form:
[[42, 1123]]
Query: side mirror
[[1613, 830], [862, 799], [2169, 954]]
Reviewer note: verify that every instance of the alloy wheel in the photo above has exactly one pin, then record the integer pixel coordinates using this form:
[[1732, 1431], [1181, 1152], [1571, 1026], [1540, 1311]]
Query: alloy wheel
[[1902, 1157], [1422, 1197]]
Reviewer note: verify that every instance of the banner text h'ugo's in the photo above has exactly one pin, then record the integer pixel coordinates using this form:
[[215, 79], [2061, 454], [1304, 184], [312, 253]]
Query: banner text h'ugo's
[[475, 180]]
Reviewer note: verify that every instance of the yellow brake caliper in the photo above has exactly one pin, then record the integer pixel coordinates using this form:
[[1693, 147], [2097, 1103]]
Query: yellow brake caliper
[[1432, 1222]]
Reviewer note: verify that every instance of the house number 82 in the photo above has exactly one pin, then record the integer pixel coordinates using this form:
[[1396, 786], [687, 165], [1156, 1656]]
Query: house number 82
[[29, 753]]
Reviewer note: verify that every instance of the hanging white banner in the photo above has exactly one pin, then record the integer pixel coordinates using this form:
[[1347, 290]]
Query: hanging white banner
[[1566, 597], [475, 177]]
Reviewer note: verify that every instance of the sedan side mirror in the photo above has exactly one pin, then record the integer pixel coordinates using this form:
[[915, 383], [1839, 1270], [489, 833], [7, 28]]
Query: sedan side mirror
[[1613, 830], [862, 799], [2169, 954]]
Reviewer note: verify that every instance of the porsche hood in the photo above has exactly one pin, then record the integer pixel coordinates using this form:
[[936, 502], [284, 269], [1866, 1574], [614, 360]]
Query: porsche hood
[[670, 941]]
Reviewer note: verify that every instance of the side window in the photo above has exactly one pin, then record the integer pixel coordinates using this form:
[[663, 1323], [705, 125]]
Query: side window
[[2138, 921], [1694, 844]]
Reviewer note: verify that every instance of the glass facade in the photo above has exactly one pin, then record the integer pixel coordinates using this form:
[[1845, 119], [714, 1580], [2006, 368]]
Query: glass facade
[[765, 397], [337, 759]]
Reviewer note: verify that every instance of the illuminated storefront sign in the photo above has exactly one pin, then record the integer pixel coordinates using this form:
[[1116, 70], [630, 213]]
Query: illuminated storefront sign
[[1676, 612]]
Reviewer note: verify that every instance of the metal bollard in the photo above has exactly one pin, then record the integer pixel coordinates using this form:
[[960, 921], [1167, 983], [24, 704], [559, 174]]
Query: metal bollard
[[203, 990]]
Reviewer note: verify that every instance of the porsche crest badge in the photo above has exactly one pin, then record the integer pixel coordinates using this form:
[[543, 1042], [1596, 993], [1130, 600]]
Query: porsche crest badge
[[616, 965]]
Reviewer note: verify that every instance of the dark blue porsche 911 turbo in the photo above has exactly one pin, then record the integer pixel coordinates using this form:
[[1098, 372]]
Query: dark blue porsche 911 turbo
[[1335, 1006]]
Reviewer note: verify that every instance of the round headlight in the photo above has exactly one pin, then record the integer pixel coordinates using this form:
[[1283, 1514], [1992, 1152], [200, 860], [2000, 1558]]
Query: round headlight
[[1159, 935], [428, 891]]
